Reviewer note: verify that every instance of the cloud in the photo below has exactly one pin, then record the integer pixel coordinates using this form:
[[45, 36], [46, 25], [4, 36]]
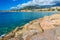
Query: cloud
[[38, 2], [13, 8]]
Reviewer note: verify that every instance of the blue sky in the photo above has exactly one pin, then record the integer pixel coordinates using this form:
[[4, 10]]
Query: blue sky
[[10, 4], [7, 4]]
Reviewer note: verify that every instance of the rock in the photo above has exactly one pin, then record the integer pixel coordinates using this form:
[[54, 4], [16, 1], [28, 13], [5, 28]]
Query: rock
[[46, 28]]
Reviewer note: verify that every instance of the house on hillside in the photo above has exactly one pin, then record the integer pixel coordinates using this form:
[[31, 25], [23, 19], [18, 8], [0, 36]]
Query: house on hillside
[[57, 8]]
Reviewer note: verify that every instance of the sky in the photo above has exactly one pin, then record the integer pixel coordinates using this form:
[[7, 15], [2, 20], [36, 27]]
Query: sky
[[16, 4], [7, 4]]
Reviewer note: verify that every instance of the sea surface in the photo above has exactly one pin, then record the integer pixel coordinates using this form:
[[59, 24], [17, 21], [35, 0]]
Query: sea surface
[[10, 20]]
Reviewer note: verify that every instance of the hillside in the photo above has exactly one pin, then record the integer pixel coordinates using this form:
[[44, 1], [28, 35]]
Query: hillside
[[31, 7]]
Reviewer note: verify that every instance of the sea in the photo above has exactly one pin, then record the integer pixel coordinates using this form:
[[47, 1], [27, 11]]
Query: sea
[[10, 20]]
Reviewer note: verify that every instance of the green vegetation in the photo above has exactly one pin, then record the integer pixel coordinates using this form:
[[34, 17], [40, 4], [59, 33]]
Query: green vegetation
[[30, 7]]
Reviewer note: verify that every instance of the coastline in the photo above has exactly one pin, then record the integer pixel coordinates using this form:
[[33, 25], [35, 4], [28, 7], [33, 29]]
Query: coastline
[[26, 27], [30, 11], [2, 35], [30, 16]]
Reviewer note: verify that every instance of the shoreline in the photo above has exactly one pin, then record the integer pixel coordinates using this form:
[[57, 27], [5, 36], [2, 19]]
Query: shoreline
[[2, 35], [20, 30], [41, 11]]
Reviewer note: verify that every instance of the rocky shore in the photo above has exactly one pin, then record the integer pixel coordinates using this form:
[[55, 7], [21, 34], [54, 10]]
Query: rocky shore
[[46, 28]]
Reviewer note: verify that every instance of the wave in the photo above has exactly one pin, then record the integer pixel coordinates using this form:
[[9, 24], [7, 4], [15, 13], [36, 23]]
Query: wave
[[2, 35]]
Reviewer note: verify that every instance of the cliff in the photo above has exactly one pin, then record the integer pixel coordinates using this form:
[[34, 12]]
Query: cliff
[[46, 28]]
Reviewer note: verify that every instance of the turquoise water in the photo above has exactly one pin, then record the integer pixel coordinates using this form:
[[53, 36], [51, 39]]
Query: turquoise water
[[10, 20]]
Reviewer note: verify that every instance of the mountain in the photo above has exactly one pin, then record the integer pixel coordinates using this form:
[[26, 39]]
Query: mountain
[[30, 8], [35, 7]]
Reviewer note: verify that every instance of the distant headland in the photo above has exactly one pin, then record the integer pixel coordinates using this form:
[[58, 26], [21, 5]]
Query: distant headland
[[33, 9]]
